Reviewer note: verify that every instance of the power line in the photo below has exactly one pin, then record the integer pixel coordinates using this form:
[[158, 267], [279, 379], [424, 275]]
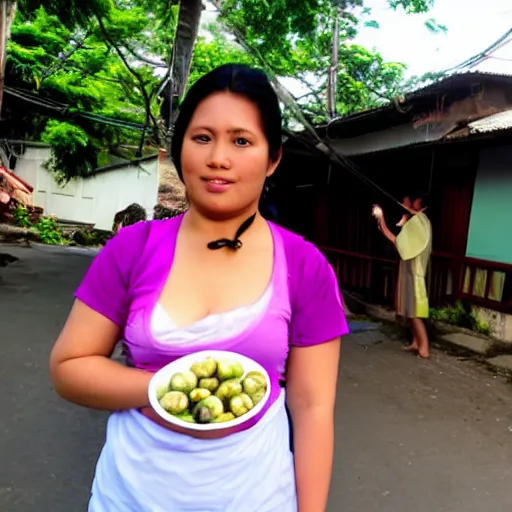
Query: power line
[[66, 110], [476, 59], [290, 101]]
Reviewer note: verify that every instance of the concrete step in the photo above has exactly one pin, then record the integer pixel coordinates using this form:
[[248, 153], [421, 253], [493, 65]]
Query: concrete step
[[476, 344], [503, 362]]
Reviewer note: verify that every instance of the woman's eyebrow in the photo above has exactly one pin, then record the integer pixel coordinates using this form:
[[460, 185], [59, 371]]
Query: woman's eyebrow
[[232, 130], [241, 130]]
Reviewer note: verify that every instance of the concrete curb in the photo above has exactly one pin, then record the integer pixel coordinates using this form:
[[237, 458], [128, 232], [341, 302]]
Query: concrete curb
[[496, 354]]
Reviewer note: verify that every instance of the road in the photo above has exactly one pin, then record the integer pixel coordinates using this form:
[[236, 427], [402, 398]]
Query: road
[[412, 435]]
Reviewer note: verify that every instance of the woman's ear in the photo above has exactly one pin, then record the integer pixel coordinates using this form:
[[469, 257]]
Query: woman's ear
[[273, 164]]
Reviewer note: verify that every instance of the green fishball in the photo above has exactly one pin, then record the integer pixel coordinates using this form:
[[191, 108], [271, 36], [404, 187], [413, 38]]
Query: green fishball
[[186, 416], [257, 397], [240, 405], [252, 385], [161, 390], [184, 381], [198, 394], [258, 376], [208, 409], [228, 389], [226, 416], [227, 369], [211, 384], [205, 369], [174, 402]]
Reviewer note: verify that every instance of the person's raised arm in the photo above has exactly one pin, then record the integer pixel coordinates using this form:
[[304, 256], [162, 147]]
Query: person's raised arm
[[381, 222]]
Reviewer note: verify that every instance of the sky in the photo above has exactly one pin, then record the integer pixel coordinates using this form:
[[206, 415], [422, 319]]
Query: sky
[[472, 26]]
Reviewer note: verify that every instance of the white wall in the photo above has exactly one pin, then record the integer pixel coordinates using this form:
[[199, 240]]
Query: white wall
[[94, 200]]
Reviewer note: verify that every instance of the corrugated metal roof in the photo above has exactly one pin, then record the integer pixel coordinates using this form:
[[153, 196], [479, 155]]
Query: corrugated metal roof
[[495, 122]]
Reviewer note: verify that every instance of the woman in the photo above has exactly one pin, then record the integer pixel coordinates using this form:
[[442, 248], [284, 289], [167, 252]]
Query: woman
[[414, 246], [170, 288]]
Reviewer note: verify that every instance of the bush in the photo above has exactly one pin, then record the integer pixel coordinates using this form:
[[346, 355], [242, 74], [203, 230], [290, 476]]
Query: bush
[[461, 315], [46, 227]]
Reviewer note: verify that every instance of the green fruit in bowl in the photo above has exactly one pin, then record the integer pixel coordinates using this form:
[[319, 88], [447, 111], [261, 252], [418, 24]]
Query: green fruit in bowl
[[183, 381], [174, 402]]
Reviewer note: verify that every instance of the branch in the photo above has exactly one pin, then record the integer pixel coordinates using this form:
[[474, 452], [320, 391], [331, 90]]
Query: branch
[[144, 59], [138, 77], [126, 86], [378, 94], [65, 58]]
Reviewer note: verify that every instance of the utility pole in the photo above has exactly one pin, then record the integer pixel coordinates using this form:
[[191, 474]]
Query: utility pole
[[333, 70]]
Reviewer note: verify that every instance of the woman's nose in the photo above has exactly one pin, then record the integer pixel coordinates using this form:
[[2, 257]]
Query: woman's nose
[[219, 156]]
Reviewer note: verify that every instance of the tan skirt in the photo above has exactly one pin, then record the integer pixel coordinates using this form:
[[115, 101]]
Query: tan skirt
[[411, 292]]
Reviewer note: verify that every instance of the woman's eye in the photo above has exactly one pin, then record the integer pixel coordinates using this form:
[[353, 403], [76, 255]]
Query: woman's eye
[[202, 138], [240, 141]]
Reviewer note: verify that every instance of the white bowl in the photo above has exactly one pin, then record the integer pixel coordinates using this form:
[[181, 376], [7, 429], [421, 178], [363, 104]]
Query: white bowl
[[163, 377]]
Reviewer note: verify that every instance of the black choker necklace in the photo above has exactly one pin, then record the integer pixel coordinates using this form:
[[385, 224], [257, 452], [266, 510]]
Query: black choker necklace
[[236, 243]]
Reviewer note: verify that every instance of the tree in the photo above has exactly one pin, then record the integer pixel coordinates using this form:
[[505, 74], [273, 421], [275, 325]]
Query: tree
[[89, 95], [107, 77], [90, 91], [71, 12], [294, 38]]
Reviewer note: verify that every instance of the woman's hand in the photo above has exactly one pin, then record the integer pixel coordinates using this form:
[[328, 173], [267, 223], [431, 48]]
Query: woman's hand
[[377, 212], [150, 413]]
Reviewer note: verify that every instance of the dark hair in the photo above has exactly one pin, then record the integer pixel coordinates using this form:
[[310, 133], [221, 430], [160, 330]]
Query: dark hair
[[239, 79], [422, 197]]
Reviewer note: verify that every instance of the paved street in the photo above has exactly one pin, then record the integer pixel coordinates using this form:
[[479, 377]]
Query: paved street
[[412, 436]]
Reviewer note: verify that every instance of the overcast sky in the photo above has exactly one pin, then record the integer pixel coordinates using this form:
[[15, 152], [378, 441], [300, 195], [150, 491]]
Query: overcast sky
[[472, 26]]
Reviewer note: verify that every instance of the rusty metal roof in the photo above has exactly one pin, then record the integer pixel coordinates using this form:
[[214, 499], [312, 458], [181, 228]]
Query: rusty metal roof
[[495, 122], [436, 86], [500, 122]]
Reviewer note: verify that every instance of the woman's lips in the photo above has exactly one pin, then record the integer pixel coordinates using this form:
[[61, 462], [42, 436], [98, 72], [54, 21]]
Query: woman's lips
[[217, 185]]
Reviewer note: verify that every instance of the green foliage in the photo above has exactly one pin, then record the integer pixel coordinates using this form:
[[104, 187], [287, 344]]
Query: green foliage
[[461, 315], [209, 55], [412, 6], [92, 67], [49, 233], [70, 12], [73, 154], [21, 217], [435, 27], [45, 227], [294, 38], [79, 73]]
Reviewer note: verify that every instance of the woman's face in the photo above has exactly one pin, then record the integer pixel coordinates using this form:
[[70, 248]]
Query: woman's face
[[225, 156]]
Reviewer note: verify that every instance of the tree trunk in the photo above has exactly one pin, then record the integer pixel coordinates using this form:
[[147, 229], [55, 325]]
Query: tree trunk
[[7, 12], [186, 35], [181, 56]]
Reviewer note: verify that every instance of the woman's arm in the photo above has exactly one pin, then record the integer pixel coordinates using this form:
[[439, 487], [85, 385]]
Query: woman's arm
[[312, 376], [385, 230], [82, 371]]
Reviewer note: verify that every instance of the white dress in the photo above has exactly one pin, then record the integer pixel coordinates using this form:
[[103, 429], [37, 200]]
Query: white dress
[[144, 467]]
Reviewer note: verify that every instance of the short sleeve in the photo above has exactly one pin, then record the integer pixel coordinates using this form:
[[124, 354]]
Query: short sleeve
[[105, 285], [318, 314]]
